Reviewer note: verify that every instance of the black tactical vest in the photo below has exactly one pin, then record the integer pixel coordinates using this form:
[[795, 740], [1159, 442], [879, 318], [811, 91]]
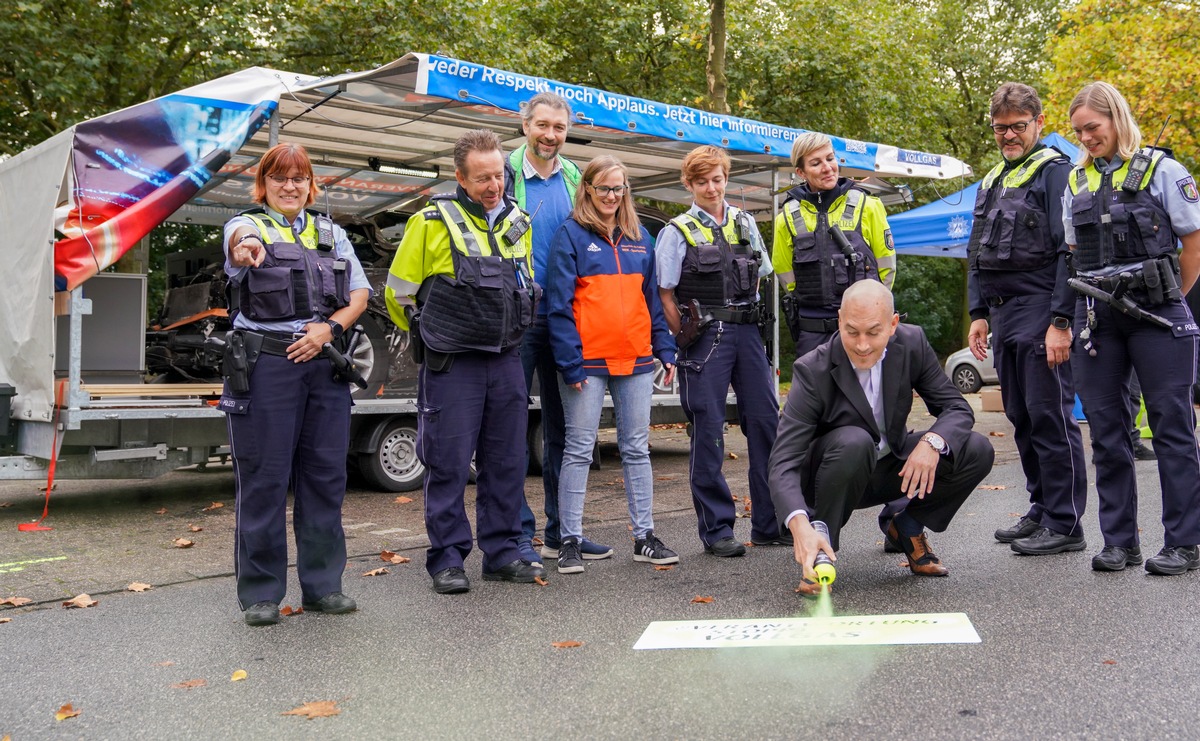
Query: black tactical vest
[[490, 301], [1113, 226], [823, 271], [720, 266], [295, 281], [1011, 230]]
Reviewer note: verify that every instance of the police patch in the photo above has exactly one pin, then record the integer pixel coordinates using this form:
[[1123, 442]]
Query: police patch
[[1187, 187], [891, 243]]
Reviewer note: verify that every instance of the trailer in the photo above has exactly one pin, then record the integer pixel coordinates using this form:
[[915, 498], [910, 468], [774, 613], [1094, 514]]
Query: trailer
[[97, 383]]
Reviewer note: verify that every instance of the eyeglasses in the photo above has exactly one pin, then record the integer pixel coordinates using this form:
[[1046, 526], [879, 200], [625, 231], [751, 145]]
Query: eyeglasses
[[1017, 128], [281, 181], [604, 190]]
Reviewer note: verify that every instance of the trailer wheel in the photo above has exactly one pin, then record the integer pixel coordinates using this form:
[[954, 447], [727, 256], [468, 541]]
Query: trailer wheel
[[394, 466]]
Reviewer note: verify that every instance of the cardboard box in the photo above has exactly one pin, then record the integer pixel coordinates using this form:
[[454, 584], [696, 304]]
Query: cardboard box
[[989, 399]]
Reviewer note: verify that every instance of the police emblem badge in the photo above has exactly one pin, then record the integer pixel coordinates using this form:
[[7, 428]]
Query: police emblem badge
[[1187, 187]]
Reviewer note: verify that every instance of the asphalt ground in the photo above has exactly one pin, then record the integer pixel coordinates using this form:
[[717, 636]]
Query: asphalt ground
[[1065, 652]]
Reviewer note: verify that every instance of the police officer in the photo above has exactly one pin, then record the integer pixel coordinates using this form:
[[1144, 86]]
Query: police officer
[[814, 264], [1017, 271], [295, 286], [462, 272], [543, 183], [709, 261], [1124, 209]]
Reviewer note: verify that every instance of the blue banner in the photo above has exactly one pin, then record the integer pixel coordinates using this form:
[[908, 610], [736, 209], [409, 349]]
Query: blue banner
[[474, 83]]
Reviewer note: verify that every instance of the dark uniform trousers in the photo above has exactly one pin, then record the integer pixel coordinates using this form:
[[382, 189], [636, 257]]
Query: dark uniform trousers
[[477, 407], [537, 356], [1165, 362], [729, 354], [294, 426], [1040, 402], [845, 475]]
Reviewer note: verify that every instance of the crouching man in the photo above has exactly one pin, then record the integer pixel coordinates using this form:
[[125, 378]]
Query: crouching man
[[844, 444]]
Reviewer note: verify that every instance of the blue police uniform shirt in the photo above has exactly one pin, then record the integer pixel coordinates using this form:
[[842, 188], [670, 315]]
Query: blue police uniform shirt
[[672, 246], [1171, 184], [341, 246]]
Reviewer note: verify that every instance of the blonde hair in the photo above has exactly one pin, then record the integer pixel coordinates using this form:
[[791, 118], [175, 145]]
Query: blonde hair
[[1106, 100], [806, 144], [585, 211]]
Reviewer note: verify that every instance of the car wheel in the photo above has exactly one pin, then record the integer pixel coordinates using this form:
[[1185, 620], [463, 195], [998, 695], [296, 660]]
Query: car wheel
[[394, 466], [967, 379], [371, 357]]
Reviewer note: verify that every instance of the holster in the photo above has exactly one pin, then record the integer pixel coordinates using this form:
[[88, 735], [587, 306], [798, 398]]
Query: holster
[[791, 313], [241, 351], [692, 324], [416, 345]]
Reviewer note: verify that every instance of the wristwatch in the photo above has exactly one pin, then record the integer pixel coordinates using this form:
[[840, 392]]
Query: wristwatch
[[935, 441], [335, 328], [1061, 322]]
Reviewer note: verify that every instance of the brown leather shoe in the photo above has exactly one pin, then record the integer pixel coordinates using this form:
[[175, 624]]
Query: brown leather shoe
[[921, 558]]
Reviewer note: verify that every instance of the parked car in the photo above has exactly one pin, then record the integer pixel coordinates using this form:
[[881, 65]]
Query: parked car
[[969, 374]]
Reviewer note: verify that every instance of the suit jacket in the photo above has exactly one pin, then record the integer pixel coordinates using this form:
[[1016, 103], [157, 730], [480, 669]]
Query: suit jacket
[[826, 395]]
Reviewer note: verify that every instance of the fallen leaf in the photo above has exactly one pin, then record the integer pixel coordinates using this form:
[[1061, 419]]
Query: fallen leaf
[[538, 541], [214, 505], [403, 500], [195, 528], [137, 586], [701, 600], [749, 544], [161, 511], [1109, 662], [567, 644], [288, 611], [183, 543], [15, 601], [318, 709], [666, 567], [733, 456], [993, 487], [996, 433], [83, 600], [239, 675], [393, 557], [540, 581], [5, 620], [5, 505], [66, 711], [665, 478], [378, 572], [1015, 514], [189, 684], [165, 663]]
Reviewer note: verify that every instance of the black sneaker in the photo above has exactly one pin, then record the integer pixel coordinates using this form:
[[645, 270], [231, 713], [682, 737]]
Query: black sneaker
[[1174, 560], [570, 560], [1143, 452], [1116, 558], [651, 550], [1023, 529]]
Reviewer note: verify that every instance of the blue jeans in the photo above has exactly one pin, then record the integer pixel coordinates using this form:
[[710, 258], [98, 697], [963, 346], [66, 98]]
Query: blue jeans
[[536, 356], [631, 402]]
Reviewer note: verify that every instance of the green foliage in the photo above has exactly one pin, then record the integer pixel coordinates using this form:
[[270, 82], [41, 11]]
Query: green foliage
[[63, 61], [1148, 49], [930, 291]]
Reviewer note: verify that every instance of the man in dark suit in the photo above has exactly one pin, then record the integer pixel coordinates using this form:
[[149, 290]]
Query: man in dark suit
[[830, 458]]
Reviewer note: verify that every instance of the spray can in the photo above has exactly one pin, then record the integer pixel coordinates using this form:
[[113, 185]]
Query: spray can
[[823, 565]]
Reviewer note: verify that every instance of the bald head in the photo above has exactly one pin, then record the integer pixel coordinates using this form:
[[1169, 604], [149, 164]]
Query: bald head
[[866, 321]]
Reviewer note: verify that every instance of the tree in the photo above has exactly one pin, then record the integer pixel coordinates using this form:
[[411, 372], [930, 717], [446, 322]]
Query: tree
[[1148, 49], [715, 67], [133, 51]]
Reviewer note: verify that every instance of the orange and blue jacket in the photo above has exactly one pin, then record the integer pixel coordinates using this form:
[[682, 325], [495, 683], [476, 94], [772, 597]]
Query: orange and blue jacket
[[604, 313]]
